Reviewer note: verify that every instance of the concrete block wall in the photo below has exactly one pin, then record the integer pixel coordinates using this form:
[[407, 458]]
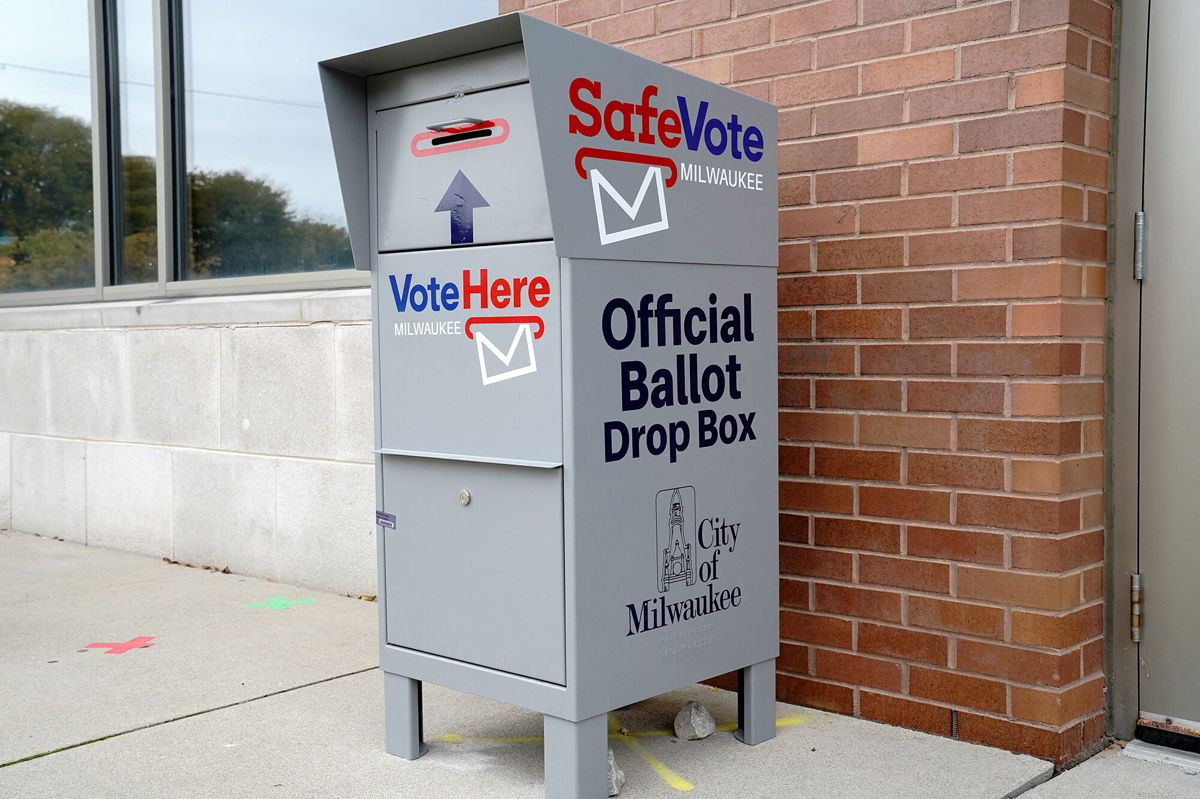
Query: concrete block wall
[[228, 432], [943, 212]]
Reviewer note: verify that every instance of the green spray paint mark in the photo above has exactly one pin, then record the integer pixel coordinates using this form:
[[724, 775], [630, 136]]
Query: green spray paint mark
[[279, 603]]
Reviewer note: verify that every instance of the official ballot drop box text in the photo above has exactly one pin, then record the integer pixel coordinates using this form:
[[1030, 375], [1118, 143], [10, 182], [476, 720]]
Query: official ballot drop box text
[[573, 257]]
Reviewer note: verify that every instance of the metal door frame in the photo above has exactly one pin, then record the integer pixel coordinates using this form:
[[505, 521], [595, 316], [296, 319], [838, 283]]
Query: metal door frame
[[1123, 381]]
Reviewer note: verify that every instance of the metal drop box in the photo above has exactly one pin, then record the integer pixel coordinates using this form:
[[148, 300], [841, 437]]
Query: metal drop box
[[572, 254]]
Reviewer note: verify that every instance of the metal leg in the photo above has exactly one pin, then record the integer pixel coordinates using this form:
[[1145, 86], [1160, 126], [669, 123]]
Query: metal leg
[[576, 758], [756, 703], [402, 716]]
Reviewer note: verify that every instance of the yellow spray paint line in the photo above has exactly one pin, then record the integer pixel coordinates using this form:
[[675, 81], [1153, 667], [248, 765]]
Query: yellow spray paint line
[[454, 738], [662, 769]]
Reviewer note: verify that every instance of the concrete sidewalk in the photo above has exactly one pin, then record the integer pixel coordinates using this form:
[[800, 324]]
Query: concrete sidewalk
[[252, 688]]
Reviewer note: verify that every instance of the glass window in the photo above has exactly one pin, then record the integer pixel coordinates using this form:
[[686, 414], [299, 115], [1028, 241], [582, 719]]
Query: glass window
[[263, 194], [137, 258], [46, 237]]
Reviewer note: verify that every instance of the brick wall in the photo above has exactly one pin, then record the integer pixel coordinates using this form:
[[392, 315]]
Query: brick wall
[[943, 191]]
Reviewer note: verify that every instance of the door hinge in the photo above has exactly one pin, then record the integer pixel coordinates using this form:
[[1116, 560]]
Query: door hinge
[[1139, 245], [1135, 607]]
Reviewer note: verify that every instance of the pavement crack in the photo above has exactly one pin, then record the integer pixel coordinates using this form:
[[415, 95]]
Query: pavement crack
[[189, 716]]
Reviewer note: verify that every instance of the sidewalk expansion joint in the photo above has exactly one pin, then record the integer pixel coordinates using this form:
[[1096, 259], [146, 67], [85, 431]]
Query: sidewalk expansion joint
[[189, 715]]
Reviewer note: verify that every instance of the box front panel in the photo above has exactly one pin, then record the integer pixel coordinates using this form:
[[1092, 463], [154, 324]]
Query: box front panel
[[476, 180], [673, 491], [470, 354], [474, 567]]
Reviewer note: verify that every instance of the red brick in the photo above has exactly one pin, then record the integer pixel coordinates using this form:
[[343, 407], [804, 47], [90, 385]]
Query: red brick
[[793, 593], [714, 68], [1016, 282], [813, 18], [1057, 476], [1019, 513], [687, 13], [905, 214], [958, 689], [906, 143], [794, 460], [879, 395], [795, 123], [1060, 163], [1091, 16], [858, 464], [957, 247], [869, 323], [857, 184], [769, 62], [792, 657], [1008, 435], [956, 616], [1057, 631], [907, 71], [964, 545], [905, 359], [1049, 358], [882, 10], [795, 325], [814, 629], [828, 564], [861, 253], [1057, 554], [1060, 241], [818, 290], [1020, 205], [961, 471], [1018, 663], [1015, 736], [905, 503], [795, 256], [816, 359], [978, 172], [1058, 707], [955, 27], [794, 392], [571, 12], [917, 575], [1016, 53], [630, 25], [664, 49], [900, 643], [905, 431], [856, 669], [856, 534], [859, 45], [957, 321], [1039, 126], [925, 285], [814, 693], [727, 36], [1043, 591], [955, 397], [861, 603], [793, 527], [908, 713], [829, 497], [835, 428], [824, 220], [1101, 59], [814, 87]]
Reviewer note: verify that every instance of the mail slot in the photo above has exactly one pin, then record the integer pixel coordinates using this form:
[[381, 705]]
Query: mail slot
[[572, 253]]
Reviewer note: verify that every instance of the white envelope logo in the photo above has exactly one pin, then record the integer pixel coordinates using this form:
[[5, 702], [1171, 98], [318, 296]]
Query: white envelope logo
[[600, 183], [497, 363]]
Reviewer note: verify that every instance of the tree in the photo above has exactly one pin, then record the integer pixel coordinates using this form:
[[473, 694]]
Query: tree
[[45, 171]]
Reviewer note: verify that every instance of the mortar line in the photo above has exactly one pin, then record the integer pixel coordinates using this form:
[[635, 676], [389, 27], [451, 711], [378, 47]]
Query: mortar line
[[188, 716]]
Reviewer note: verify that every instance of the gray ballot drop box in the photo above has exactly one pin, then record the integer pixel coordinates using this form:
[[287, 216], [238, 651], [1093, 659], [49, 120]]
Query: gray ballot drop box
[[572, 252]]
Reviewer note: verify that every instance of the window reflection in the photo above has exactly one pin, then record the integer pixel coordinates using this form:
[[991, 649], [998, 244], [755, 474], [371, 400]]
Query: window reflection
[[46, 237], [137, 261]]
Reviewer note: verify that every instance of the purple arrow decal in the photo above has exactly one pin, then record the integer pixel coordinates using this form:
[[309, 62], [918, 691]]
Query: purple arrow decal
[[461, 200]]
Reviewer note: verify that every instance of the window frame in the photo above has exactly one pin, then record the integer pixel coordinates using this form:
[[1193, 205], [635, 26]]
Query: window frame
[[170, 180]]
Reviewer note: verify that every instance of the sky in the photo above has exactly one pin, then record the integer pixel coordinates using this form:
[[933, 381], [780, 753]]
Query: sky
[[254, 97]]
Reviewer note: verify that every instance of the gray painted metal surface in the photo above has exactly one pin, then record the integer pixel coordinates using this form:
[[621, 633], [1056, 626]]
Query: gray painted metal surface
[[574, 304], [1169, 547]]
